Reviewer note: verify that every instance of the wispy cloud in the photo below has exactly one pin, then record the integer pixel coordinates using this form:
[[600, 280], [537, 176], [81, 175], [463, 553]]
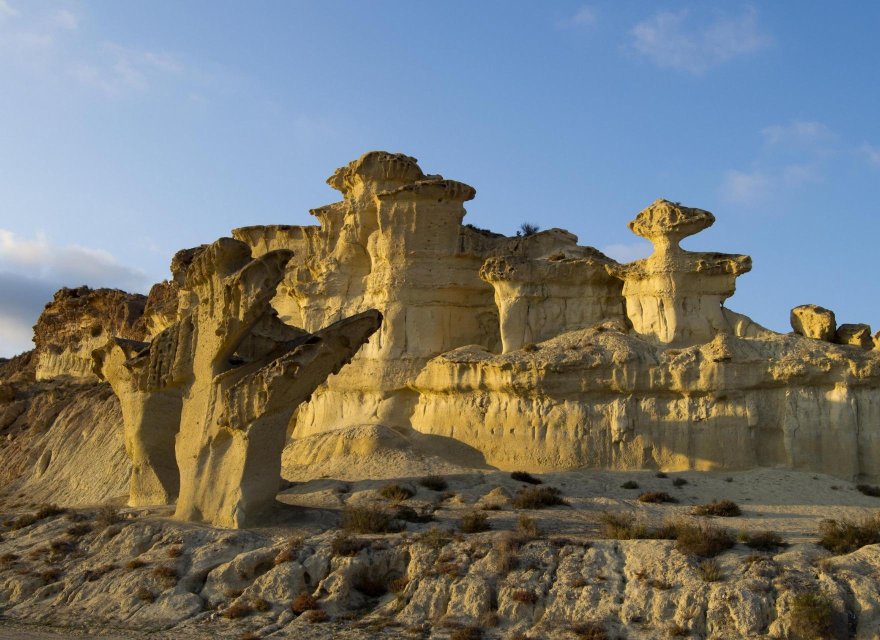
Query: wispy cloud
[[744, 187], [32, 269], [7, 10], [628, 252], [797, 133], [65, 19], [870, 153], [675, 40], [585, 16]]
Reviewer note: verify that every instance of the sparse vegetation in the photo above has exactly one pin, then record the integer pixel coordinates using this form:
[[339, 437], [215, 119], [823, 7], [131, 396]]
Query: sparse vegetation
[[434, 483], [507, 553], [48, 510], [869, 490], [166, 574], [434, 537], [315, 616], [762, 540], [175, 551], [22, 521], [237, 610], [408, 514], [474, 522], [528, 229], [537, 498], [630, 484], [812, 616], [107, 515], [656, 497], [79, 530], [623, 526], [50, 575], [144, 594], [523, 476], [524, 596], [344, 544], [590, 631], [136, 563], [396, 492], [528, 527], [260, 604], [709, 570], [303, 602], [702, 539], [677, 631], [368, 519], [660, 474], [845, 536], [467, 633], [679, 482], [289, 552], [721, 509]]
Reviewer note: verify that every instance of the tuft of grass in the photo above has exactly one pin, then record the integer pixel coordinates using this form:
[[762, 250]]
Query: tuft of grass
[[845, 536], [79, 530], [107, 515], [368, 519], [709, 570], [304, 602], [869, 490], [261, 604], [523, 476], [396, 492], [722, 509], [315, 616], [467, 633], [343, 544], [679, 482], [507, 553], [237, 610], [136, 563], [528, 528], [623, 526], [812, 615], [166, 574], [763, 540], [434, 537], [50, 575], [174, 552], [22, 521], [289, 552], [144, 594], [48, 510], [434, 483], [630, 484], [590, 631], [656, 497], [702, 539], [537, 498], [474, 522], [524, 596]]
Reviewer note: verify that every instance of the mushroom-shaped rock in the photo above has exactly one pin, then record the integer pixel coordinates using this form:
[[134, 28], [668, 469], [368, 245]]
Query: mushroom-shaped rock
[[675, 296], [857, 335], [813, 321]]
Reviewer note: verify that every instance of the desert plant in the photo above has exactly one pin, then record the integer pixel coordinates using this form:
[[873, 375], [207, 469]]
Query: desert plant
[[679, 482], [630, 484], [135, 563], [22, 521], [702, 539], [289, 552], [344, 544], [523, 476], [812, 615], [660, 474], [434, 483], [590, 631], [144, 594], [398, 585], [47, 510], [528, 229], [107, 515], [677, 631], [845, 536], [507, 553], [434, 537], [396, 492], [260, 604], [524, 596], [231, 594], [537, 498], [466, 633], [656, 497], [315, 616], [237, 610], [622, 526], [368, 519], [50, 575], [762, 540], [166, 574], [869, 490], [720, 508], [303, 602], [174, 552], [709, 570], [528, 527], [79, 530], [474, 522], [407, 514]]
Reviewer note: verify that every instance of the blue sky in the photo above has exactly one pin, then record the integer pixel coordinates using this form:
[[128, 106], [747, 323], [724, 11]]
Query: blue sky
[[129, 130]]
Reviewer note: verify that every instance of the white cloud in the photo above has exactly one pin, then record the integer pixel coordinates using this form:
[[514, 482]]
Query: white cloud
[[871, 154], [122, 70], [7, 10], [585, 16], [628, 252], [797, 133], [32, 270], [670, 40], [65, 19], [744, 188]]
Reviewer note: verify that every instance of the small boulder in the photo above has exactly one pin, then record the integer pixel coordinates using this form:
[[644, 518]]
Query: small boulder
[[813, 321], [857, 335]]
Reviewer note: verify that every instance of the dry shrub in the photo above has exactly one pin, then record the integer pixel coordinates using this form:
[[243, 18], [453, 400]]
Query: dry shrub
[[94, 574], [303, 602], [315, 616], [623, 526], [166, 574], [237, 610], [630, 484], [408, 514], [507, 553], [528, 527], [434, 483], [47, 510], [174, 552], [702, 539], [590, 631], [763, 540], [396, 492], [537, 498], [22, 521], [720, 508], [368, 519], [289, 552], [524, 596], [137, 563], [845, 536], [709, 570], [79, 530], [260, 604], [812, 616], [656, 497], [523, 476], [144, 594], [398, 585], [250, 635], [343, 544], [474, 522], [434, 537], [679, 482], [677, 631], [231, 594], [107, 515], [50, 575], [467, 633]]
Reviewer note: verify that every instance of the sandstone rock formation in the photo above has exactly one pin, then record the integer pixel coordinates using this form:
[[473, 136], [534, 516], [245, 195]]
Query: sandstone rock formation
[[857, 335], [813, 321], [221, 383]]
